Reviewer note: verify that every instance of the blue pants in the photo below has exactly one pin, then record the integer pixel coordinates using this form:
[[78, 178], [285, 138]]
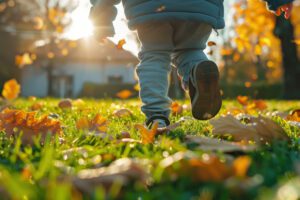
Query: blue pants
[[178, 42]]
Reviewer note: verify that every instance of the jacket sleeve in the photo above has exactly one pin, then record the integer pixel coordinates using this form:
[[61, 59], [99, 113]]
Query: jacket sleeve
[[275, 4], [102, 14]]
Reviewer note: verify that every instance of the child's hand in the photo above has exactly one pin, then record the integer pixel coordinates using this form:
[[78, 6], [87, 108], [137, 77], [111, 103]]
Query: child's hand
[[286, 9]]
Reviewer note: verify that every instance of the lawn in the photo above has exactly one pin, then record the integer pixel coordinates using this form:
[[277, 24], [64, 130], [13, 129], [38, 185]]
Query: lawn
[[101, 153]]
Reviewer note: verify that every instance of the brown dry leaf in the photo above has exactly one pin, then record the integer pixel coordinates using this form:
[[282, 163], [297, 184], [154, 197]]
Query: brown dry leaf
[[147, 136], [37, 106], [121, 43], [208, 168], [98, 124], [11, 89], [65, 104], [260, 129], [16, 122], [211, 43], [213, 144], [294, 116], [122, 113], [176, 108], [260, 104], [124, 94], [122, 171]]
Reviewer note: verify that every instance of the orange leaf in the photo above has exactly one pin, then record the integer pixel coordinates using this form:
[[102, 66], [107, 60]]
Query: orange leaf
[[241, 166], [243, 100], [211, 43], [16, 122], [147, 135], [124, 94], [11, 90], [98, 124], [121, 43], [294, 116], [176, 108]]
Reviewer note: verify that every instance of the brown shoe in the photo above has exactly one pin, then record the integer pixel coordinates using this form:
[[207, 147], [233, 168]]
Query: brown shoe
[[204, 91]]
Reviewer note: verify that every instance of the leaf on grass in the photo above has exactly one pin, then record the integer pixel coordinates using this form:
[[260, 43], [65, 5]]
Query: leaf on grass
[[294, 116], [241, 166], [124, 94], [65, 104], [37, 106], [11, 90], [260, 129], [208, 168], [176, 108], [122, 113], [122, 172], [213, 144], [243, 100], [147, 135], [16, 122], [98, 124]]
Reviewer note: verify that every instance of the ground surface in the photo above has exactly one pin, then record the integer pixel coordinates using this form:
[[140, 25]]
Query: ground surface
[[54, 169]]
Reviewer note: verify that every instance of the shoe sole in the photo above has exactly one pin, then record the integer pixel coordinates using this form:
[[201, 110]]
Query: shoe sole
[[207, 101]]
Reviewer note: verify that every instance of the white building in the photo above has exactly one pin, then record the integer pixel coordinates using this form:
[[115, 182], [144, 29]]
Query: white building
[[89, 62]]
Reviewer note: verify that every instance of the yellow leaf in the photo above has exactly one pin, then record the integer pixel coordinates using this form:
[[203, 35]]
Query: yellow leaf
[[121, 43], [22, 60], [241, 166], [11, 90]]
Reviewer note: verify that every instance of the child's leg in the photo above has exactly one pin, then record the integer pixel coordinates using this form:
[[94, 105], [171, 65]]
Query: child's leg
[[190, 40], [200, 75], [154, 67]]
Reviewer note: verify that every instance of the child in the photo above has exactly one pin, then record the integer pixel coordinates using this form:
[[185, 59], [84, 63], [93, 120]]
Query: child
[[173, 31]]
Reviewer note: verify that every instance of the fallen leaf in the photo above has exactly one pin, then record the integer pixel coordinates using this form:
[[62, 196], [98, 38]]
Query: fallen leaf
[[294, 116], [147, 136], [65, 104], [241, 166], [260, 129], [243, 100], [98, 124], [207, 168], [122, 113], [16, 122], [37, 106], [213, 144], [11, 89], [260, 104], [122, 171], [124, 94], [176, 108]]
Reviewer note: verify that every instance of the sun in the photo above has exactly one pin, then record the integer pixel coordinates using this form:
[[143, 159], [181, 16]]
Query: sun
[[81, 24]]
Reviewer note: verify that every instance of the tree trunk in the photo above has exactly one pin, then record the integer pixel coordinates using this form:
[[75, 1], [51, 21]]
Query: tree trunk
[[284, 30]]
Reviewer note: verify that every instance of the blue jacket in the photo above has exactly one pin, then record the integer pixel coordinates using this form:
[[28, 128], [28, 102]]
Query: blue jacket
[[143, 11]]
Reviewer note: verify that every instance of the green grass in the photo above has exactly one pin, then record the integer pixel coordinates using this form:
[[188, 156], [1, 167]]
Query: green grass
[[272, 166]]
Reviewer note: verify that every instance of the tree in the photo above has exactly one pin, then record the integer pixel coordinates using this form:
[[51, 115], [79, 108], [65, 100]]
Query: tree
[[43, 20], [254, 39]]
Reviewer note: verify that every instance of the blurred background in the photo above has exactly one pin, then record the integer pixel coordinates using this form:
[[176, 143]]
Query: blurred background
[[47, 45]]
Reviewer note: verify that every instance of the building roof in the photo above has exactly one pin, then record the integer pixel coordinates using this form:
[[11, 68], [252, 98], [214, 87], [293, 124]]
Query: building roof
[[87, 50]]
